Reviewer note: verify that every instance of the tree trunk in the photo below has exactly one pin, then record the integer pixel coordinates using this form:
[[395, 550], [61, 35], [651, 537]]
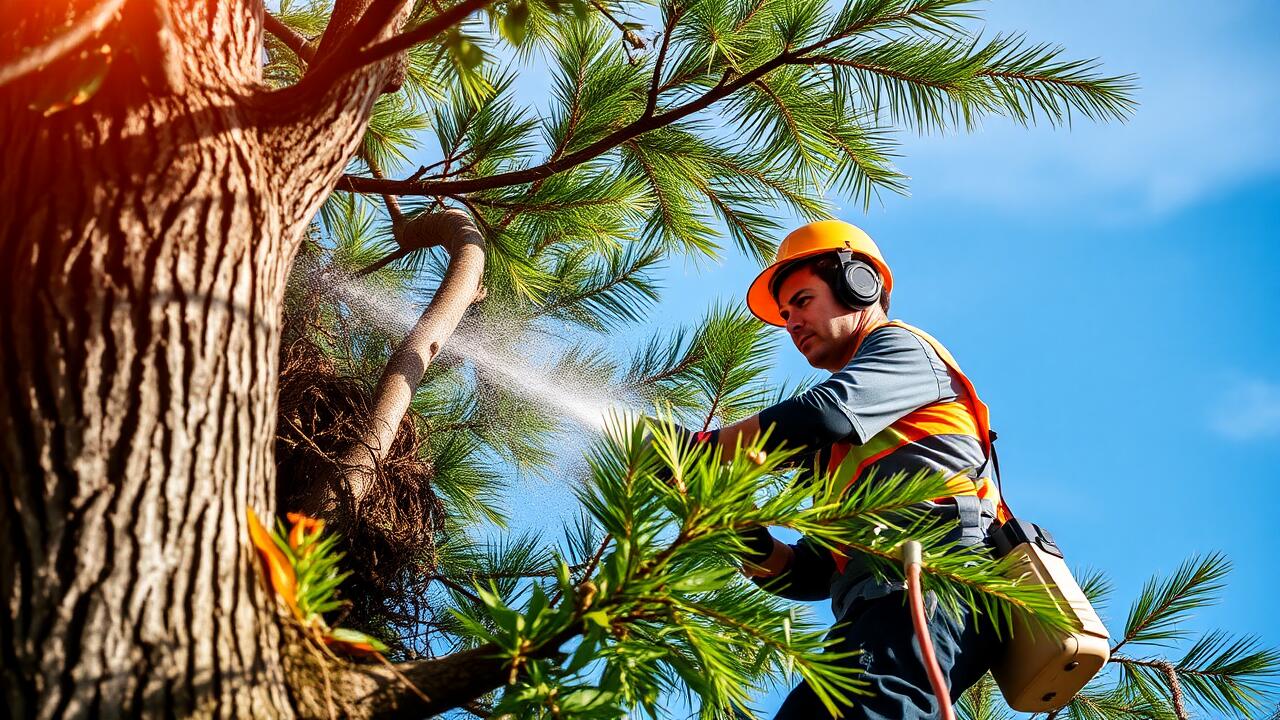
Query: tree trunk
[[144, 268], [145, 238]]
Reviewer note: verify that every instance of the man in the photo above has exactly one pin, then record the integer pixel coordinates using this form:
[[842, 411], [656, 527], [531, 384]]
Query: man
[[896, 401]]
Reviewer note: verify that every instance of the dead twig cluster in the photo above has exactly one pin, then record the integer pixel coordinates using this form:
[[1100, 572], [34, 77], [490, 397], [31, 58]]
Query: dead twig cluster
[[390, 539]]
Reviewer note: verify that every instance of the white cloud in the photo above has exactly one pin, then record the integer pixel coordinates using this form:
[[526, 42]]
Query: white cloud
[[1249, 409], [1205, 122]]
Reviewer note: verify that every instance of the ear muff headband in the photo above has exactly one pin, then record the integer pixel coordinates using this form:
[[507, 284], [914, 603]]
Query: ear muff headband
[[861, 286]]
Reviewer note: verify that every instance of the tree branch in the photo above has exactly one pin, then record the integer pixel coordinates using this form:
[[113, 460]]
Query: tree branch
[[448, 682], [655, 85], [167, 49], [147, 30], [291, 39], [383, 261], [85, 28], [727, 85], [460, 287], [722, 89], [1170, 672], [352, 25], [458, 588], [350, 57], [587, 569]]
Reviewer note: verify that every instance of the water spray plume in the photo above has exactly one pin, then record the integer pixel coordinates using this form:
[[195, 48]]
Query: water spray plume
[[517, 366]]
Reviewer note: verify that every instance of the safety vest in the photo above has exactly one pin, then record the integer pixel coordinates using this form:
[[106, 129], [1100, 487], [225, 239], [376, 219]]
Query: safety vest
[[967, 416]]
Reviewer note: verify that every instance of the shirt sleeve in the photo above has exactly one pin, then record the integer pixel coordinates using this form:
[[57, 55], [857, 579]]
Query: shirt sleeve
[[807, 577], [893, 373]]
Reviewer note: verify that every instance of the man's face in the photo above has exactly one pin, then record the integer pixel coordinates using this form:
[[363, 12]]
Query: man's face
[[821, 327]]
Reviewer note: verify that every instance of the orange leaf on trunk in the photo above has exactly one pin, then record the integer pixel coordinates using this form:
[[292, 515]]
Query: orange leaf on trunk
[[279, 571]]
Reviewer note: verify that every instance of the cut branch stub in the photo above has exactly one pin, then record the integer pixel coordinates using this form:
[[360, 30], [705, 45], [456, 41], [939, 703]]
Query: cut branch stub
[[457, 233]]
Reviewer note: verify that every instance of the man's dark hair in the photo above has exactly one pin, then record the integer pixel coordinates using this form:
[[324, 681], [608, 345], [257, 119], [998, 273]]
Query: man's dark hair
[[827, 267]]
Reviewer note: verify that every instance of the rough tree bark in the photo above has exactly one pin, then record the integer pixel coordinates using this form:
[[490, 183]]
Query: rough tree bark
[[145, 238]]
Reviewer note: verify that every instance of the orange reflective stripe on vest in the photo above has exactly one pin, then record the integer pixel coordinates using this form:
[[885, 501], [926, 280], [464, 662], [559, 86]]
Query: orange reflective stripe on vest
[[966, 416]]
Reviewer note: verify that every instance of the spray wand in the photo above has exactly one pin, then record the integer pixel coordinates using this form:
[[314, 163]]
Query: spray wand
[[912, 556]]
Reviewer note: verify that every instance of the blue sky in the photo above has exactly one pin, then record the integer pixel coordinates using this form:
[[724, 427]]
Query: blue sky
[[1111, 290], [1130, 367]]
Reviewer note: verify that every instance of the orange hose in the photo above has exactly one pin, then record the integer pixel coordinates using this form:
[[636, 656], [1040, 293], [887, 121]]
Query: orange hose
[[939, 683]]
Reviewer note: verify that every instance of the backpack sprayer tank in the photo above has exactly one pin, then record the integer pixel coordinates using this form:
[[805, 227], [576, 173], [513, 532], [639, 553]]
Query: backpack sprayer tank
[[1042, 669]]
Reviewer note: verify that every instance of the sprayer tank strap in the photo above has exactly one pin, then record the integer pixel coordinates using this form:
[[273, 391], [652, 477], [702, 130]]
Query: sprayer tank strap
[[981, 414]]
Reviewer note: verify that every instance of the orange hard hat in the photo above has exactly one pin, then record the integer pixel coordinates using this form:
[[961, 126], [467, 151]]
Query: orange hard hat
[[813, 239]]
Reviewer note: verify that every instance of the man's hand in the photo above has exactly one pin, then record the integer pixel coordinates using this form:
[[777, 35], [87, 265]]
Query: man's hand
[[765, 556]]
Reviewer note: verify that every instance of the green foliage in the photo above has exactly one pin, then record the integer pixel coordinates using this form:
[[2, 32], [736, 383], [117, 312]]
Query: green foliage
[[739, 113], [817, 94], [1157, 610], [1226, 674], [392, 130], [1099, 701], [603, 291], [315, 561], [660, 603], [982, 702]]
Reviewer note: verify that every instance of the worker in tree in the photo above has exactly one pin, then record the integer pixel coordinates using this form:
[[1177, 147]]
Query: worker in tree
[[895, 402]]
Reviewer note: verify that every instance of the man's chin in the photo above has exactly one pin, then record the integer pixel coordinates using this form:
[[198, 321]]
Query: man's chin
[[821, 361]]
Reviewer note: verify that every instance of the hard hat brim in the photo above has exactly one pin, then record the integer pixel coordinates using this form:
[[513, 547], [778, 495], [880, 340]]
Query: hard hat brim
[[760, 301]]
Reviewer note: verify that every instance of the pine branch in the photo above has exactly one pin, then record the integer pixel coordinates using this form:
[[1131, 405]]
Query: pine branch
[[674, 218], [351, 54], [1034, 78], [673, 15], [1113, 704], [289, 37], [727, 85], [1170, 675], [352, 24], [1229, 675], [980, 702], [866, 16], [930, 82], [518, 177], [617, 292], [748, 236], [458, 588], [1152, 617]]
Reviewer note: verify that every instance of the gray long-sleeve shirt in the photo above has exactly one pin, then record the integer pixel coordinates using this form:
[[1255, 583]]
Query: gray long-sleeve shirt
[[893, 373]]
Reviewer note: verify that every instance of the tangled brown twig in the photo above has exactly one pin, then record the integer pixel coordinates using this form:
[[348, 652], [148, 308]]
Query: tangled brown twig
[[390, 539]]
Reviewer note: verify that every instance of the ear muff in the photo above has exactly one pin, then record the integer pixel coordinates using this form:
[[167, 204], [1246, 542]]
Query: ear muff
[[861, 287]]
